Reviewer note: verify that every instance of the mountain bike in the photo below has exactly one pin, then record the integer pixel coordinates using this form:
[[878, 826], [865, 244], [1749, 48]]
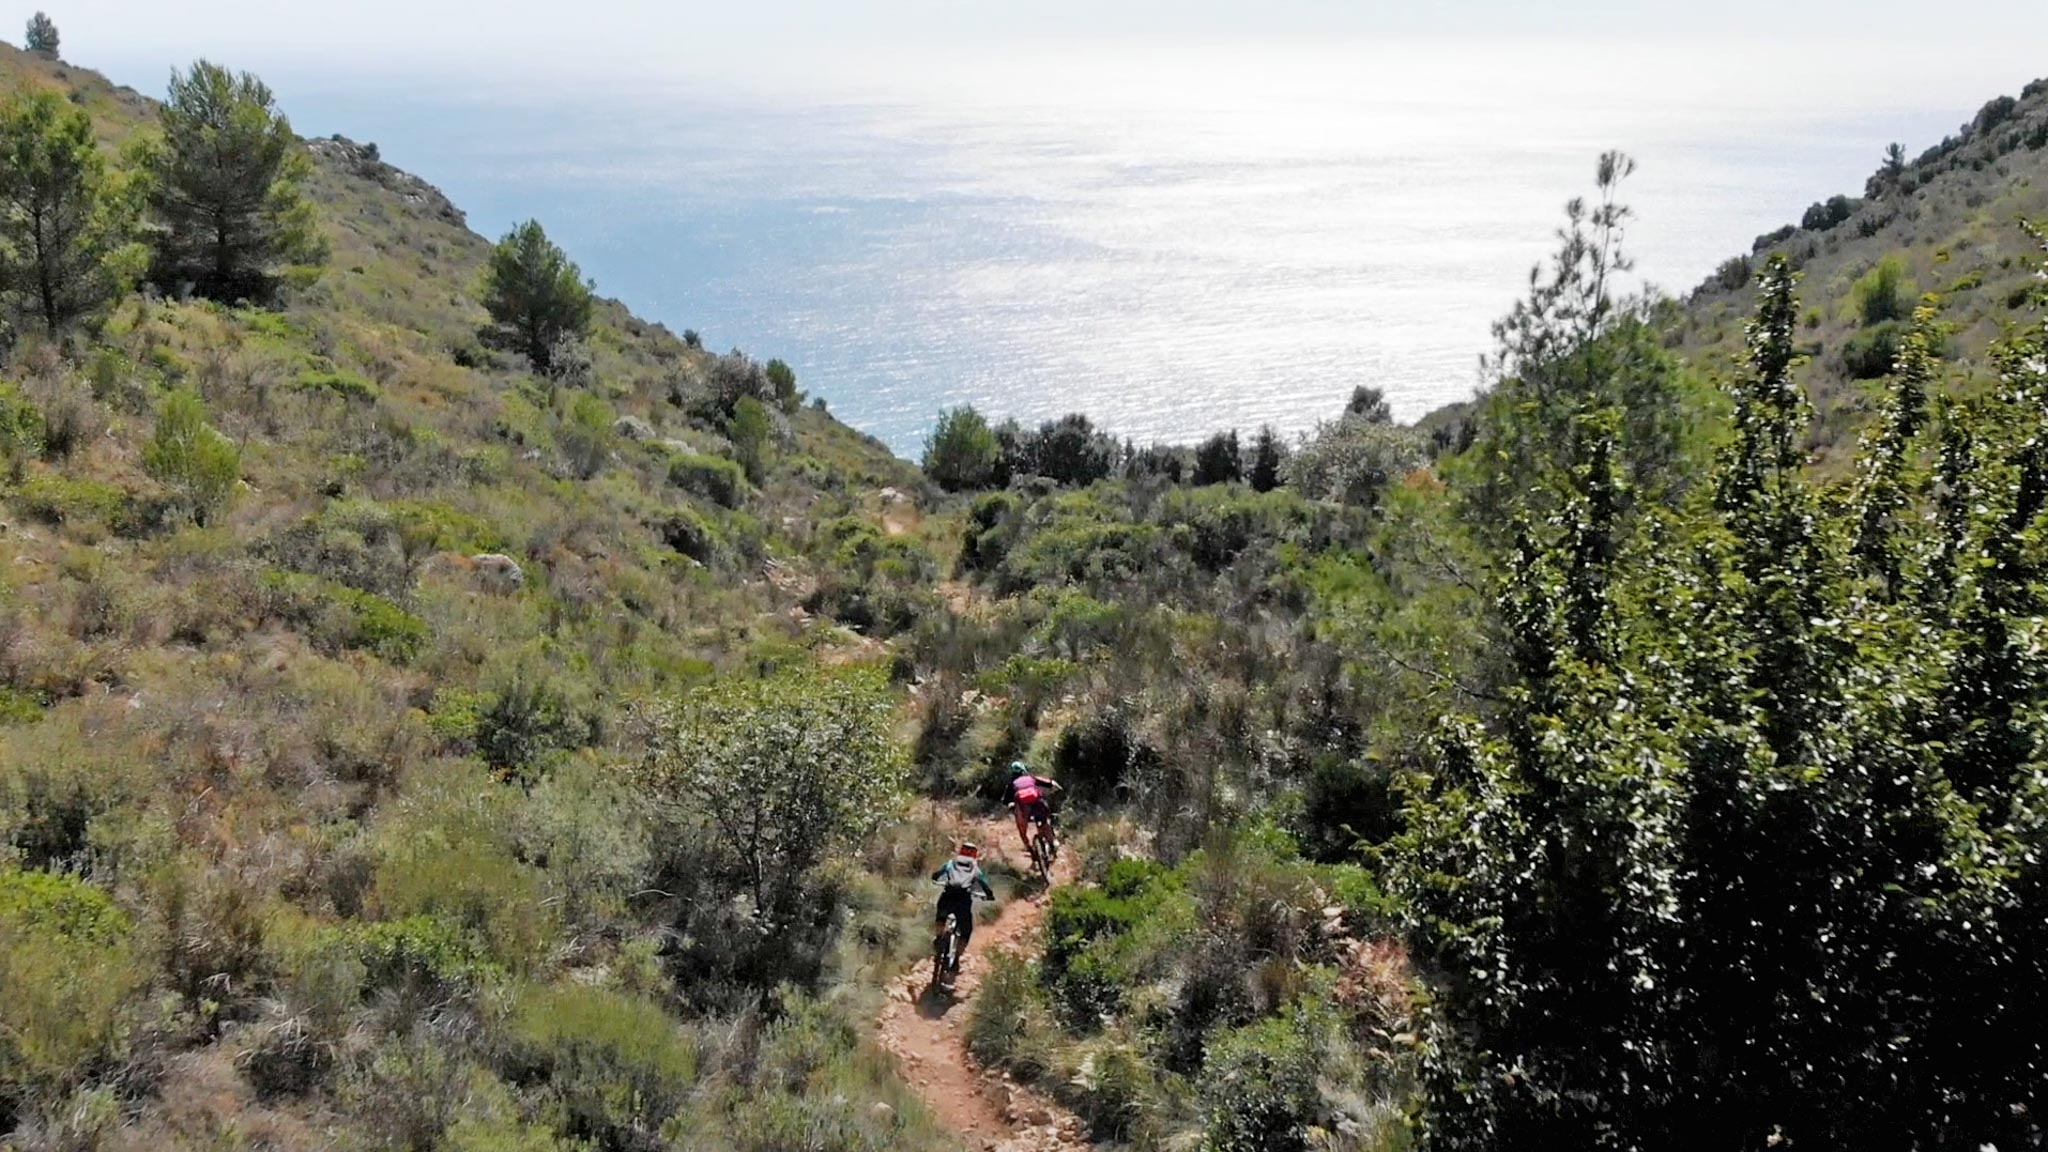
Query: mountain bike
[[1045, 848], [946, 952]]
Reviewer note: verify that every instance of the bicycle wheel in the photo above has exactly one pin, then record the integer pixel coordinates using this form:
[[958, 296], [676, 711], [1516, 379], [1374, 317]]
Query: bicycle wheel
[[942, 952]]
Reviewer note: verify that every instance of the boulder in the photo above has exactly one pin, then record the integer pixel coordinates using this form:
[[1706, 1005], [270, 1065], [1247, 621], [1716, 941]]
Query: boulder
[[633, 428], [499, 572]]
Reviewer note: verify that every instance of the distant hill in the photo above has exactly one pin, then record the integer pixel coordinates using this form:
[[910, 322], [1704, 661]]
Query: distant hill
[[1947, 216]]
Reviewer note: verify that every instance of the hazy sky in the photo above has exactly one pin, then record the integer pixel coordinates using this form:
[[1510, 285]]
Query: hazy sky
[[772, 40]]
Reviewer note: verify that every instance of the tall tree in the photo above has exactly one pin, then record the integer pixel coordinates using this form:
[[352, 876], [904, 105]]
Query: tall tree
[[1218, 460], [1268, 455], [63, 225], [1752, 854], [42, 35], [226, 192], [1572, 346], [962, 454], [536, 295]]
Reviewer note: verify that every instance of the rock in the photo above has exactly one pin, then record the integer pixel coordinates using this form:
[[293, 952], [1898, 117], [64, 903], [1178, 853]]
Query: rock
[[633, 428], [892, 496], [499, 572], [882, 1112]]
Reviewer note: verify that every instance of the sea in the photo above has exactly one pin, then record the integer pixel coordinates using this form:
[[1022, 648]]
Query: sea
[[1174, 238]]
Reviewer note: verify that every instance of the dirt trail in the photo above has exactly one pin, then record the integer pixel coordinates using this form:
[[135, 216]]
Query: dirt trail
[[926, 1029]]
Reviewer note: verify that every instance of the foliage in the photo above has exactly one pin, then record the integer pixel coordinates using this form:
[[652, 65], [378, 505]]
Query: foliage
[[536, 295], [1883, 294], [714, 478], [751, 429], [187, 454], [618, 1065], [785, 770], [1068, 451], [1269, 458], [63, 222], [1752, 741], [1352, 460], [962, 454], [1571, 348], [1259, 1089], [41, 36], [1218, 460], [69, 962], [226, 190]]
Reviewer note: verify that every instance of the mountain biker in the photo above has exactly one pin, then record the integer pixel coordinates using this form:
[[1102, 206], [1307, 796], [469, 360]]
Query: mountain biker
[[1031, 797], [959, 878]]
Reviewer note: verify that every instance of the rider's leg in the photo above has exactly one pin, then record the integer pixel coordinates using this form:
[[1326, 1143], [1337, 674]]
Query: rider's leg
[[1023, 814]]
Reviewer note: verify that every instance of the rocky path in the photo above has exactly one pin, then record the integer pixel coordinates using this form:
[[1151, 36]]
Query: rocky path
[[926, 1029]]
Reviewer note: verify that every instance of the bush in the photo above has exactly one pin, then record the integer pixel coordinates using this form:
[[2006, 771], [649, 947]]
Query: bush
[[69, 964], [1259, 1090], [21, 431], [1828, 213], [616, 1066], [58, 499], [1734, 274], [1883, 293], [197, 463], [1352, 460], [788, 770], [337, 616], [713, 478], [1871, 352], [750, 429]]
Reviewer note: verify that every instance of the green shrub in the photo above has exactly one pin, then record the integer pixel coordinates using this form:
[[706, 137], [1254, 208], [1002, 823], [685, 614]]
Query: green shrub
[[1871, 352], [1259, 1090], [449, 854], [1007, 1027], [58, 499], [21, 430], [186, 454], [338, 616], [69, 966], [1883, 294], [346, 385], [18, 706], [427, 958], [713, 478], [617, 1066]]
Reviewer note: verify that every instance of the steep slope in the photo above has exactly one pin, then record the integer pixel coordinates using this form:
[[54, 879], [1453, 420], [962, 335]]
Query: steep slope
[[334, 774], [1948, 217]]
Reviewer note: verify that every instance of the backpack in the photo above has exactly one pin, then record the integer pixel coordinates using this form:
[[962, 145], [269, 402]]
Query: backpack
[[960, 874], [1027, 789]]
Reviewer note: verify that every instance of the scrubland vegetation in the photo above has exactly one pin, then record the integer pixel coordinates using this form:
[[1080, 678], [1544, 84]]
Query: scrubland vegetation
[[440, 710]]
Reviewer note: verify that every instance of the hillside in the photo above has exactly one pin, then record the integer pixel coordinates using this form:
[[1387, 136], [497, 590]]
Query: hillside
[[1948, 216], [338, 763], [415, 735]]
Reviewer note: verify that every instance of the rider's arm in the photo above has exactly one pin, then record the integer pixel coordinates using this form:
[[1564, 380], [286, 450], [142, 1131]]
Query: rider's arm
[[941, 873], [981, 879]]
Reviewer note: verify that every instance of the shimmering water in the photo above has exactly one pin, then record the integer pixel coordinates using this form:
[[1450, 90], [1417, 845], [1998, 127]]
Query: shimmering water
[[1174, 240]]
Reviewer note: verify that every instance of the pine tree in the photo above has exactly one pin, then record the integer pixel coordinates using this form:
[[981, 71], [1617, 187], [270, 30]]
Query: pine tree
[[42, 35], [1218, 460], [63, 223], [226, 195], [536, 295], [1268, 455]]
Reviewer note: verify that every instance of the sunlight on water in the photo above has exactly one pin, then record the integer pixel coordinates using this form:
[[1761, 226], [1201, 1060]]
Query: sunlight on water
[[1173, 241]]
